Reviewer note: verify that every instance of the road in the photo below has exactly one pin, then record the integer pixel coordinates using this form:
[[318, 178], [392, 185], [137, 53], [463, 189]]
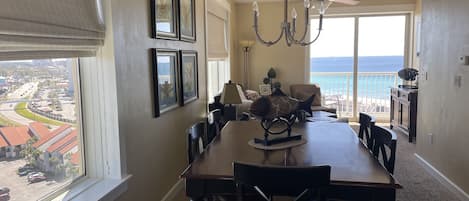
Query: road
[[8, 109]]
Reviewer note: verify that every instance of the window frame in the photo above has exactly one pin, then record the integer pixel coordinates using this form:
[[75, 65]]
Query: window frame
[[104, 150], [380, 11]]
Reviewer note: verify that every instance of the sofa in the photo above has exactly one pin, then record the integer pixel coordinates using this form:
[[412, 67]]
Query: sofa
[[304, 91]]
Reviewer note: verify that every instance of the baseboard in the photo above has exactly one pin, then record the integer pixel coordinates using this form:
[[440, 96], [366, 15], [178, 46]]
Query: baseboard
[[174, 191], [463, 196]]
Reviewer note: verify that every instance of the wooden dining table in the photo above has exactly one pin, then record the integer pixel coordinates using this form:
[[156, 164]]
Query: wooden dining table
[[355, 174]]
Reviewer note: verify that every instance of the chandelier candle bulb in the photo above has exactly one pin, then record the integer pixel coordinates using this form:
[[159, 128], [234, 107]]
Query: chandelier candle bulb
[[307, 3], [294, 14], [255, 8]]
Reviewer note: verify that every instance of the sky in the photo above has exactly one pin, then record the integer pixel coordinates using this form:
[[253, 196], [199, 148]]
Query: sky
[[378, 36]]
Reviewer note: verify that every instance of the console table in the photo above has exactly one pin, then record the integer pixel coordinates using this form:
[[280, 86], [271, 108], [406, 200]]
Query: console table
[[404, 111]]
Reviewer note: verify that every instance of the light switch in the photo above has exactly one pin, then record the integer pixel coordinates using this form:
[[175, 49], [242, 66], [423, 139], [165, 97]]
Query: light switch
[[464, 60]]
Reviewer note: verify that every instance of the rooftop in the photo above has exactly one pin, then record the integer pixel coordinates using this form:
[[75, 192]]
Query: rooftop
[[75, 158], [16, 135], [3, 142], [69, 147], [39, 129], [51, 135], [62, 143]]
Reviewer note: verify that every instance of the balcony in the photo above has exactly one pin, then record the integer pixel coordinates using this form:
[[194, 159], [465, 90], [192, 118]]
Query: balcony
[[373, 92]]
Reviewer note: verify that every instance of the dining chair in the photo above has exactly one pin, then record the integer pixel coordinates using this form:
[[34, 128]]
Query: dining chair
[[214, 121], [366, 122], [269, 181], [385, 146], [196, 140]]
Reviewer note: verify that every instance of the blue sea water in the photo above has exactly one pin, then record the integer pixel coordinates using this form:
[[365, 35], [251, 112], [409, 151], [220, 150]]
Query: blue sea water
[[375, 85], [365, 64]]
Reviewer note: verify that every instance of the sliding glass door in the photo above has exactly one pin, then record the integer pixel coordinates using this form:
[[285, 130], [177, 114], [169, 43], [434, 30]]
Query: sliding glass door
[[356, 60], [381, 54], [332, 64]]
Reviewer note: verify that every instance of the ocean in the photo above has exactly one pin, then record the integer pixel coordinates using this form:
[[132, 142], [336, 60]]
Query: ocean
[[376, 75]]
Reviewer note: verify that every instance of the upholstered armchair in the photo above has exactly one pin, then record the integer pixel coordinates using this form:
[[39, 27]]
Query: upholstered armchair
[[304, 91]]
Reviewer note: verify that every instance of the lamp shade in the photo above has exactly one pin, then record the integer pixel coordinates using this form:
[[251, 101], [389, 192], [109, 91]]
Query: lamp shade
[[230, 94], [247, 43]]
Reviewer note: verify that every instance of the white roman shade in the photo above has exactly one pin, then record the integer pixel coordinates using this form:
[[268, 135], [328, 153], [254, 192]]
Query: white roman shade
[[31, 29], [217, 22]]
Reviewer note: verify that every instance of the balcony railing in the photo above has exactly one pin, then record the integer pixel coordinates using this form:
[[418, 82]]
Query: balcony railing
[[373, 91]]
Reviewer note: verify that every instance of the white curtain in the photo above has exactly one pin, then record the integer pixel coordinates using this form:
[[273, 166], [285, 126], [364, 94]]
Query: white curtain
[[32, 29], [217, 22]]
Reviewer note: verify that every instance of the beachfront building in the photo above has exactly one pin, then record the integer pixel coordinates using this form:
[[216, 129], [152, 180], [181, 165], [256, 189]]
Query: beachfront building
[[3, 147], [16, 137], [48, 143], [55, 155]]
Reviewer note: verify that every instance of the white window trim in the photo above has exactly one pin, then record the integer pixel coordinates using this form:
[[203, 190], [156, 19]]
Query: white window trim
[[373, 11], [106, 176]]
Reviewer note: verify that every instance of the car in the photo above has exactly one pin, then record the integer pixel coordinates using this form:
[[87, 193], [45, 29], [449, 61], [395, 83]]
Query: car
[[4, 190], [5, 197], [34, 174], [25, 172], [37, 178], [26, 167]]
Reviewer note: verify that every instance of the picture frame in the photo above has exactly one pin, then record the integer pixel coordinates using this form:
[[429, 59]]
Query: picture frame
[[189, 76], [187, 22], [166, 87], [265, 89], [164, 19]]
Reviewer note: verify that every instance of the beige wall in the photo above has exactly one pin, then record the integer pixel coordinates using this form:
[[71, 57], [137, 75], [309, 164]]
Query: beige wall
[[290, 62], [443, 106], [155, 147]]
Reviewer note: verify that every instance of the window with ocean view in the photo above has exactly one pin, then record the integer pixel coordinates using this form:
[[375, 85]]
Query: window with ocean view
[[356, 61]]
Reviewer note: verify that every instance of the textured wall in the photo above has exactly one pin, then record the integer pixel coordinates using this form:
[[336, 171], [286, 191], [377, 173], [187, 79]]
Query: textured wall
[[443, 105], [155, 146]]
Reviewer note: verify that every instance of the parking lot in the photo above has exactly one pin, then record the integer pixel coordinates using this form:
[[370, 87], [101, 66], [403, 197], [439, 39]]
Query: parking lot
[[20, 189]]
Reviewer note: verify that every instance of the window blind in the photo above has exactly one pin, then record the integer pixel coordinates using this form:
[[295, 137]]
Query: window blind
[[32, 29], [217, 22]]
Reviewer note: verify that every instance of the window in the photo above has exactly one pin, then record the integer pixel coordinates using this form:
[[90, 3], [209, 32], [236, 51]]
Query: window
[[41, 136], [218, 75], [356, 61]]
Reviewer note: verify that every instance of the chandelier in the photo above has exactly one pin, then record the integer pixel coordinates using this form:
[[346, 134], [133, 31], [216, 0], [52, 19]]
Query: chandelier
[[288, 29]]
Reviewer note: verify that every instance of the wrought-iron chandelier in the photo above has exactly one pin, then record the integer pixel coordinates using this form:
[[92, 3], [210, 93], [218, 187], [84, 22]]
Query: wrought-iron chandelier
[[288, 29]]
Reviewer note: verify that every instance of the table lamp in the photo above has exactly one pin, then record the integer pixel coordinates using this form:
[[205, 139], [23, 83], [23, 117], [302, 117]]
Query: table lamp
[[230, 96]]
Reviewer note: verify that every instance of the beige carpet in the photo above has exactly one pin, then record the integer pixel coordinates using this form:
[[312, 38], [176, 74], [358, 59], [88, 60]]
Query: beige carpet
[[418, 184]]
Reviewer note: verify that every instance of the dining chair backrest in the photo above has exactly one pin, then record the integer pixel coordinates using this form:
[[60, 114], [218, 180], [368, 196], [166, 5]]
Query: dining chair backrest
[[196, 140], [366, 122], [214, 124], [385, 147], [271, 181]]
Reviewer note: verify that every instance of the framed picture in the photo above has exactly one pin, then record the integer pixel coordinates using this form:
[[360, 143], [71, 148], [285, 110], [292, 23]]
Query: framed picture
[[265, 90], [165, 80], [164, 19], [189, 77], [187, 20]]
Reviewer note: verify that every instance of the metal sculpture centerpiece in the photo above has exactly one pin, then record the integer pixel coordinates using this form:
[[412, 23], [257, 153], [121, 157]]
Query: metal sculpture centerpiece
[[288, 29], [278, 113]]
